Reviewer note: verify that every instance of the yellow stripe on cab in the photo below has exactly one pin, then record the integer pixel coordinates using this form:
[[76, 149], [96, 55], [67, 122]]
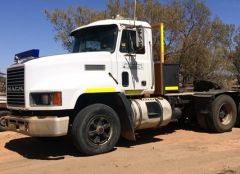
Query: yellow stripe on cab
[[171, 88], [100, 90]]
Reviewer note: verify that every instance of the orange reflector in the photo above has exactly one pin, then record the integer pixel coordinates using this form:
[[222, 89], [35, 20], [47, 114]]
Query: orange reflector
[[57, 99]]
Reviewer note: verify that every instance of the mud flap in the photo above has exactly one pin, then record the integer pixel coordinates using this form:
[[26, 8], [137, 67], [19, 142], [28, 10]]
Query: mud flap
[[202, 107], [127, 119]]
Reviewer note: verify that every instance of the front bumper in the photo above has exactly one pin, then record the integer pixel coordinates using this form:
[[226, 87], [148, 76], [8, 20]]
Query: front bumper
[[47, 126]]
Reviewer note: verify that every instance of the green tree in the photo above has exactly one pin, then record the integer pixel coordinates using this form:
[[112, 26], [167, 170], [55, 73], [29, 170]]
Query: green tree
[[236, 56], [65, 21]]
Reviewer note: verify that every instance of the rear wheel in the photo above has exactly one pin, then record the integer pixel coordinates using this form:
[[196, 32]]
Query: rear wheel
[[2, 122], [224, 114], [96, 129]]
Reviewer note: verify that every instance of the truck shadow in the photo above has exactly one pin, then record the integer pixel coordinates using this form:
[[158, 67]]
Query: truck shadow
[[58, 148], [43, 148], [148, 136]]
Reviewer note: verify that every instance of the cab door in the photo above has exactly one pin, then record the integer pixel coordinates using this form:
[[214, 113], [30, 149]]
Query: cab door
[[133, 63]]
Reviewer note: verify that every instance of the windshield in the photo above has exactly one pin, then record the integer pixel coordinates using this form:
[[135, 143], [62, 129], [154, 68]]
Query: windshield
[[98, 38]]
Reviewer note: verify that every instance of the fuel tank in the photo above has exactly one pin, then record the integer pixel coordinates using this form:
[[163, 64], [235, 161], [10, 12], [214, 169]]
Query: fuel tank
[[151, 112]]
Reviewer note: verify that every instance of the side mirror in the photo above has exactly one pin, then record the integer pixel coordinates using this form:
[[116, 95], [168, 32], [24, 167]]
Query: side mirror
[[140, 38]]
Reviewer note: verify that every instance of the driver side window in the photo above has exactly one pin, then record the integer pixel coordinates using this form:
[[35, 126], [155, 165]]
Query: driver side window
[[128, 43]]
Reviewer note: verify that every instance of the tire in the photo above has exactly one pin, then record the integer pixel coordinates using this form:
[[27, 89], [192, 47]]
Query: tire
[[3, 113], [96, 129], [224, 114]]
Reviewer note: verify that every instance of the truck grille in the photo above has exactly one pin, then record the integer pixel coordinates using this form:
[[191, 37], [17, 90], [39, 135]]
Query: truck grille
[[15, 86]]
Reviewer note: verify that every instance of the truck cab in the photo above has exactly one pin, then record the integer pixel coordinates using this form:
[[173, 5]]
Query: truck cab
[[105, 58]]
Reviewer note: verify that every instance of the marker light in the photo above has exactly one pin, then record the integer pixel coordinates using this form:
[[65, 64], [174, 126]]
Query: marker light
[[46, 99]]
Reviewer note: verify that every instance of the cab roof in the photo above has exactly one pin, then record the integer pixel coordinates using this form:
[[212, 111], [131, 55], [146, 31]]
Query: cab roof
[[117, 22]]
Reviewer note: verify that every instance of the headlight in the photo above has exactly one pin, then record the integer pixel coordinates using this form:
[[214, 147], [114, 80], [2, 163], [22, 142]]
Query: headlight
[[46, 99]]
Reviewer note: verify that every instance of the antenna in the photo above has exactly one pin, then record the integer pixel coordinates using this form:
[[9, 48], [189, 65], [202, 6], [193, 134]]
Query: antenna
[[135, 8]]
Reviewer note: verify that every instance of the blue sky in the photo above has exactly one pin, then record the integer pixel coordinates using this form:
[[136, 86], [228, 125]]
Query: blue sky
[[23, 25]]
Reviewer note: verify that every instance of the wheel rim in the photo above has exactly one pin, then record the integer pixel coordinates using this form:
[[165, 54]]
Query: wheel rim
[[2, 122], [225, 114], [99, 130]]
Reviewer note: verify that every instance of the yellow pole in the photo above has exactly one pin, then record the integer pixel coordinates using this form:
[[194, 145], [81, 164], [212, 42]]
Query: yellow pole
[[159, 81], [162, 42], [161, 57]]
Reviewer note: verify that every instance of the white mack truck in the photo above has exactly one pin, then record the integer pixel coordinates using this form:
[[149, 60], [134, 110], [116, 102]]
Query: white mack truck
[[110, 85]]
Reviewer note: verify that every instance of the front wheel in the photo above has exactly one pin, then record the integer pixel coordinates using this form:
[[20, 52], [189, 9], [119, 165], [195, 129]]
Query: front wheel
[[96, 129]]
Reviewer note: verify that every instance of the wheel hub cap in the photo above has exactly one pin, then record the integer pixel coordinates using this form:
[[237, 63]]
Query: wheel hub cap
[[225, 114], [99, 130]]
